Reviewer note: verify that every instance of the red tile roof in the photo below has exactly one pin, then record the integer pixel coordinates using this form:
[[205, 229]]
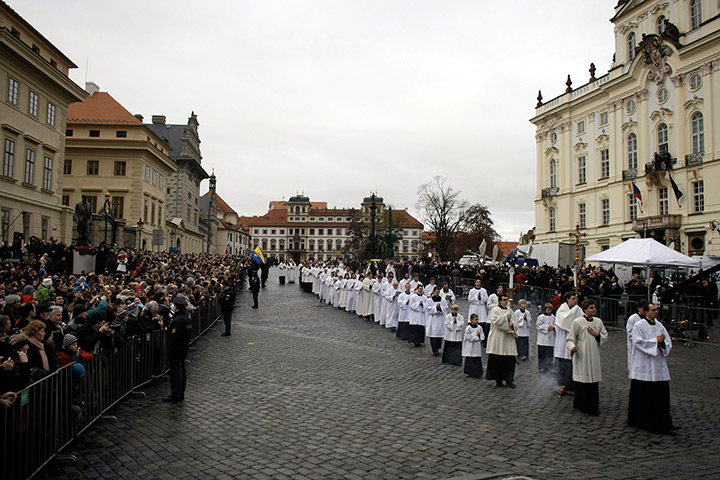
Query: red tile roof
[[221, 204], [100, 108]]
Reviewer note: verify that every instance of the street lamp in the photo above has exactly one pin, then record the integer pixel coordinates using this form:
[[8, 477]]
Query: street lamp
[[139, 231]]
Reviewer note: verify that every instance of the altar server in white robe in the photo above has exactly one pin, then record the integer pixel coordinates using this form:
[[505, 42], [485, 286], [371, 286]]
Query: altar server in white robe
[[586, 335], [501, 346], [367, 301], [338, 292], [545, 338], [415, 282], [649, 406], [564, 318], [391, 306], [387, 283], [478, 299], [291, 271], [282, 272], [631, 321], [472, 348], [523, 318], [377, 288], [342, 303], [329, 288], [404, 312], [447, 294], [401, 283], [430, 287], [418, 318], [454, 333], [435, 308], [359, 291], [350, 286], [494, 299]]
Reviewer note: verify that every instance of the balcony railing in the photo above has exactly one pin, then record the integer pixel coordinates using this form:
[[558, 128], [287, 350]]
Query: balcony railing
[[630, 173], [657, 222], [661, 162], [549, 192], [694, 159]]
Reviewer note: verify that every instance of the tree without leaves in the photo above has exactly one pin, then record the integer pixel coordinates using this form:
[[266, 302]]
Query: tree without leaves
[[477, 226], [443, 211]]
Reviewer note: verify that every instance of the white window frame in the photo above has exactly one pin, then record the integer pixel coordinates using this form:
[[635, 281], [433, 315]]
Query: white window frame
[[29, 177], [697, 123], [695, 14], [632, 154], [9, 158], [47, 173], [51, 114], [698, 190], [582, 215], [582, 169], [604, 163], [605, 211], [663, 138], [13, 91], [663, 202], [33, 102]]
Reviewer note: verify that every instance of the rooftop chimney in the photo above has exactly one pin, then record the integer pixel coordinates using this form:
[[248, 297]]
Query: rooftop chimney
[[158, 119], [139, 117], [91, 88]]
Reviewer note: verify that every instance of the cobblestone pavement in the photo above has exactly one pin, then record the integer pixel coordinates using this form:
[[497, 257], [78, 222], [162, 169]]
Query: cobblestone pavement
[[302, 390]]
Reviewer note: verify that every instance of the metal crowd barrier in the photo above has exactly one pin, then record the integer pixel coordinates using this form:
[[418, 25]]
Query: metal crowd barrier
[[50, 413]]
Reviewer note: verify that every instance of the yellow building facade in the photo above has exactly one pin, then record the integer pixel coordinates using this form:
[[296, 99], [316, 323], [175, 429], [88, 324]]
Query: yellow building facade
[[34, 99], [646, 130], [111, 152]]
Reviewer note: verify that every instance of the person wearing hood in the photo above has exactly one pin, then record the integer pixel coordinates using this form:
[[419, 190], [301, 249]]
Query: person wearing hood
[[28, 294], [44, 290]]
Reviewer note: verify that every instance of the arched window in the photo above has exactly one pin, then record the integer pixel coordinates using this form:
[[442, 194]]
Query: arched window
[[553, 174], [631, 45], [660, 25], [695, 14], [698, 133], [551, 214], [321, 244], [256, 242], [282, 244], [297, 209], [264, 244], [272, 244], [632, 150], [662, 138], [311, 244]]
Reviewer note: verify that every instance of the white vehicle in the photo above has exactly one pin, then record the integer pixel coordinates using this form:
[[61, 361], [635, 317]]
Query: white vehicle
[[469, 260]]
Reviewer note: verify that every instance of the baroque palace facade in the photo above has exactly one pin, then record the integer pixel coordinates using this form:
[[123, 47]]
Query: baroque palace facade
[[647, 126], [303, 230]]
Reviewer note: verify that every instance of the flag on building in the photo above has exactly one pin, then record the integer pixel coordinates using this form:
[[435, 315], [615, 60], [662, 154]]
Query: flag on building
[[258, 256], [675, 188], [636, 193]]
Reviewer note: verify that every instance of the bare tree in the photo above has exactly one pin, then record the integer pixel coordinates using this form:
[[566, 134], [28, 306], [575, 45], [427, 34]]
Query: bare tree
[[443, 211], [477, 226]]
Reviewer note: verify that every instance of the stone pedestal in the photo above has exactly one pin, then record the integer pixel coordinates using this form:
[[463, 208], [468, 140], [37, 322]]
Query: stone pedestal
[[82, 263]]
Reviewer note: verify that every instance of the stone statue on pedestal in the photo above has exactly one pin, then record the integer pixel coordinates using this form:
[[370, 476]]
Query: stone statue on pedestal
[[83, 219]]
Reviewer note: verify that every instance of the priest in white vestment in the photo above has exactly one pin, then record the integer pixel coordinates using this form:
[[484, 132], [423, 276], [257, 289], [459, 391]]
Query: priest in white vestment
[[586, 335], [564, 317], [435, 309]]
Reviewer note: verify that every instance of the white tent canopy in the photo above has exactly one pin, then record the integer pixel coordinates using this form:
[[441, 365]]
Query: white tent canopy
[[645, 252]]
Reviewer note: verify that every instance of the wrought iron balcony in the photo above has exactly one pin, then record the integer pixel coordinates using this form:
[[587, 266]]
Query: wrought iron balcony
[[657, 222], [549, 192], [661, 162], [630, 173], [694, 159]]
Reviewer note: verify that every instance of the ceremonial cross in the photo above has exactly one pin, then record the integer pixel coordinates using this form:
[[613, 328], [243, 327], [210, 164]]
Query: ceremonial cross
[[577, 235]]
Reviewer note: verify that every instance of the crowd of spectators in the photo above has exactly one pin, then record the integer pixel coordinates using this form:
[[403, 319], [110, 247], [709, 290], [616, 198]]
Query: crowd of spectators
[[50, 317]]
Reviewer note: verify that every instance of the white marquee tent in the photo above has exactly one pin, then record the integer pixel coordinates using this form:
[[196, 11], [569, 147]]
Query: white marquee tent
[[644, 252]]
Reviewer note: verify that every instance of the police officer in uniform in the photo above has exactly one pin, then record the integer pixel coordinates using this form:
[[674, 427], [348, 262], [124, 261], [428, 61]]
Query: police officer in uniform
[[179, 333], [227, 305]]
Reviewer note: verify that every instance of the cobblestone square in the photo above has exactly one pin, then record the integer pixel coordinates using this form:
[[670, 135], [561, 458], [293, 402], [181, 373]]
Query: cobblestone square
[[304, 390]]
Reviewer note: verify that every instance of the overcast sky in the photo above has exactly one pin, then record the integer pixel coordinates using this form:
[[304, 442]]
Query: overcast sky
[[340, 97]]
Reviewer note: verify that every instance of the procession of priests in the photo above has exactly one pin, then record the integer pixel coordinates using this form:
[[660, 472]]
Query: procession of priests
[[571, 336]]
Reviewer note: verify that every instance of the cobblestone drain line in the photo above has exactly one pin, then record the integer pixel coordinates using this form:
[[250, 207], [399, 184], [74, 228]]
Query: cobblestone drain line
[[302, 390]]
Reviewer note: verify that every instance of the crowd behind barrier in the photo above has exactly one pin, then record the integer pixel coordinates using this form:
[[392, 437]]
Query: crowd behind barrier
[[72, 346]]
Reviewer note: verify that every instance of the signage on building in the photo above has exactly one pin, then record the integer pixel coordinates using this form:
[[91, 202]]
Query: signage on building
[[158, 236]]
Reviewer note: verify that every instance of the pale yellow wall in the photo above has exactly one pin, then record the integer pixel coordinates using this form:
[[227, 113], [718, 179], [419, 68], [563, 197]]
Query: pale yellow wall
[[611, 93]]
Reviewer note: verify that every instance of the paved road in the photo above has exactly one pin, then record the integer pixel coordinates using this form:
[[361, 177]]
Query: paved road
[[303, 390]]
